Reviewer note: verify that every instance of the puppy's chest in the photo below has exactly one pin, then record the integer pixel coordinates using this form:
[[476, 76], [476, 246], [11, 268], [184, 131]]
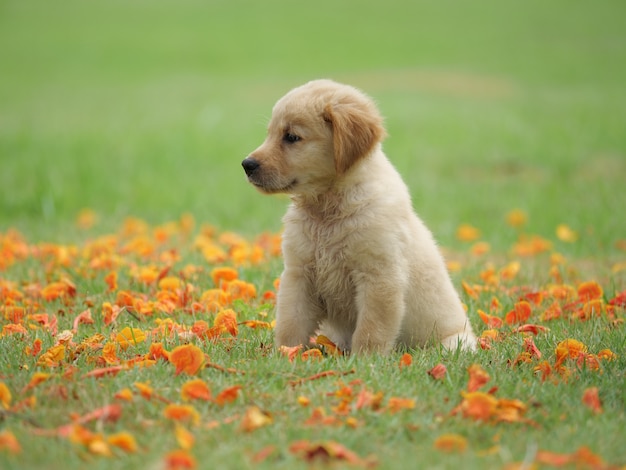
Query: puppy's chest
[[328, 265]]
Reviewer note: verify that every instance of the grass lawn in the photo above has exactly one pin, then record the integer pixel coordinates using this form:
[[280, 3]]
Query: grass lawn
[[122, 129]]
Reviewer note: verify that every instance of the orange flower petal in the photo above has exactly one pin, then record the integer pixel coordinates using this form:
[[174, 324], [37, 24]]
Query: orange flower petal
[[290, 351], [195, 390], [184, 437], [490, 320], [569, 349], [553, 312], [531, 328], [125, 394], [591, 399], [396, 404], [223, 274], [157, 351], [510, 271], [254, 418], [467, 233], [181, 413], [111, 280], [5, 395], [123, 440], [179, 460], [531, 348], [329, 450], [228, 395], [438, 372], [240, 289], [170, 283], [589, 291], [312, 354], [479, 406], [510, 411], [553, 459], [406, 360], [9, 442], [187, 358], [103, 372], [520, 313], [477, 377], [516, 218], [109, 354], [451, 443], [145, 390], [36, 379], [607, 355], [584, 457], [56, 290], [52, 357], [566, 234], [328, 345], [130, 337], [226, 321]]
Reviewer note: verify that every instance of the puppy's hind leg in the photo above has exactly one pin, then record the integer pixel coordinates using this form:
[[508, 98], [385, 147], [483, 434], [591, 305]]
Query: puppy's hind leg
[[464, 340]]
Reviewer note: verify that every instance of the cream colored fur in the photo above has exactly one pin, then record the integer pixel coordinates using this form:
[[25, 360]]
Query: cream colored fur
[[359, 264]]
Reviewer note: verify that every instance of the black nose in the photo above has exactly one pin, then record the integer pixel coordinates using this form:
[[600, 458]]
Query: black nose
[[250, 165]]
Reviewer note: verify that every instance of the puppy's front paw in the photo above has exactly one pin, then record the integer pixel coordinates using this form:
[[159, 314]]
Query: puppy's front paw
[[370, 345]]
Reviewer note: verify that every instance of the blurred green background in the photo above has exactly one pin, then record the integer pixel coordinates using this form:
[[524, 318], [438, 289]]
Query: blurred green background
[[147, 108]]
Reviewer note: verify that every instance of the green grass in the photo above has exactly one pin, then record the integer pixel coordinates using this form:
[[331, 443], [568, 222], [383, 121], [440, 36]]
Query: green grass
[[146, 109]]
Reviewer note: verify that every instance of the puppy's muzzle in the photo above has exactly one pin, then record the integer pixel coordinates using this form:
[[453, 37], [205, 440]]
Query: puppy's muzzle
[[250, 165]]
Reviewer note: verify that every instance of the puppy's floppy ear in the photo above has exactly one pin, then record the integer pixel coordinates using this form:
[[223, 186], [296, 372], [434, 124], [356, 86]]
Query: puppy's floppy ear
[[357, 128]]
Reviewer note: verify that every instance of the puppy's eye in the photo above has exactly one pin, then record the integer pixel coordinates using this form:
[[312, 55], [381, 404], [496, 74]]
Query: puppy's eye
[[291, 138]]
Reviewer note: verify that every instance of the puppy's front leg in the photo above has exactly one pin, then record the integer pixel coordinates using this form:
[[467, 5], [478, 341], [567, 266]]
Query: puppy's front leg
[[380, 305], [297, 313]]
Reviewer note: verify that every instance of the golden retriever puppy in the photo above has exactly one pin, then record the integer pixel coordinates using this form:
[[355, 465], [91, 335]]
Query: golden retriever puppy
[[359, 265]]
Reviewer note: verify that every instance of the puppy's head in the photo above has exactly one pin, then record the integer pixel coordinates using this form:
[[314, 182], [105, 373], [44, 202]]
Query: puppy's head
[[317, 132]]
